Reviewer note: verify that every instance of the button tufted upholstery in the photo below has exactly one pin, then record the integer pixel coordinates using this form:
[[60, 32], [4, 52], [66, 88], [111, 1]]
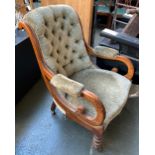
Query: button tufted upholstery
[[58, 31], [60, 37]]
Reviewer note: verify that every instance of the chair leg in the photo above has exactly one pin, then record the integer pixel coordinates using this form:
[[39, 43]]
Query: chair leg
[[53, 107], [97, 142]]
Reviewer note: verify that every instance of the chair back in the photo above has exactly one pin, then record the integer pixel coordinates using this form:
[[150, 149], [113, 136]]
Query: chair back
[[60, 37]]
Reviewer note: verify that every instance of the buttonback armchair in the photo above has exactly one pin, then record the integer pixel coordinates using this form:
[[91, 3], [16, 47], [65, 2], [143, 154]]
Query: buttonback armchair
[[86, 94]]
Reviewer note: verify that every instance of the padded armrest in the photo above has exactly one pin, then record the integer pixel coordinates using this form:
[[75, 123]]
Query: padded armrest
[[106, 52], [67, 85], [120, 37]]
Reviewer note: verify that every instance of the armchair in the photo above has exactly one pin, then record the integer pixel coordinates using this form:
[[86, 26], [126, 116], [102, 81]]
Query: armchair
[[86, 94]]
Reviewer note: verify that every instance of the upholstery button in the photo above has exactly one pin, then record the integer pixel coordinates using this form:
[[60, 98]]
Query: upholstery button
[[73, 51], [76, 41], [57, 61], [58, 51], [72, 24], [55, 19], [45, 34], [59, 38], [65, 57], [53, 32], [45, 22], [67, 46], [62, 26], [66, 95], [71, 61], [52, 43], [80, 57], [69, 33], [64, 17]]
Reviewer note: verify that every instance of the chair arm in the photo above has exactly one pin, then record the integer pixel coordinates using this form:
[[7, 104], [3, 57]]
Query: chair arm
[[67, 85], [112, 55], [106, 52], [128, 64], [76, 89]]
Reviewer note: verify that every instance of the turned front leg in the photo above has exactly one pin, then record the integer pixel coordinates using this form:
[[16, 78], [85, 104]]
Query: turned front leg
[[97, 142], [53, 107]]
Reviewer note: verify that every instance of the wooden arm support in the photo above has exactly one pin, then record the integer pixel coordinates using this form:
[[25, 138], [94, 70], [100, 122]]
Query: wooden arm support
[[97, 103], [129, 65], [122, 59]]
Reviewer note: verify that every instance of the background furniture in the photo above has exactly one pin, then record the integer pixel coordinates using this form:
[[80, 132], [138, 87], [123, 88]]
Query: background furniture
[[109, 12], [104, 13], [24, 6], [126, 41], [122, 5], [26, 68], [90, 96], [85, 10]]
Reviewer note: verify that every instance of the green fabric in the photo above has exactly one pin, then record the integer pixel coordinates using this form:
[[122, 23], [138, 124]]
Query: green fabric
[[67, 85], [120, 11], [110, 87], [60, 37], [105, 9]]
